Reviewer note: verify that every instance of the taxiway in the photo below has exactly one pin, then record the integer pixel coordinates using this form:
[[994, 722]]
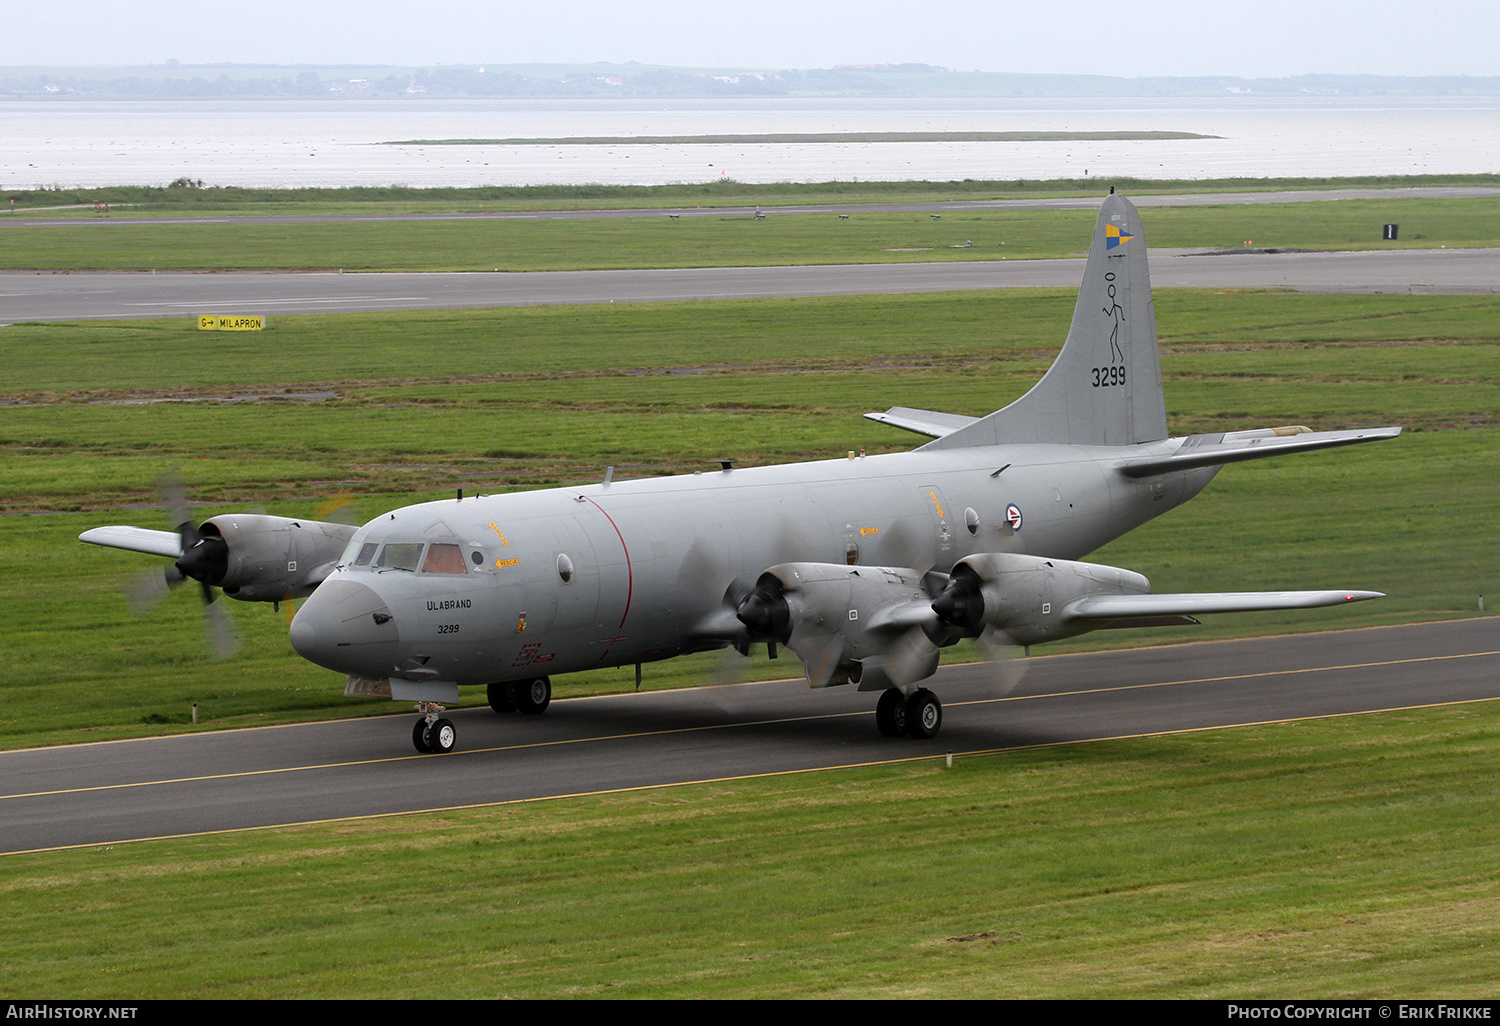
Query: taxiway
[[94, 794]]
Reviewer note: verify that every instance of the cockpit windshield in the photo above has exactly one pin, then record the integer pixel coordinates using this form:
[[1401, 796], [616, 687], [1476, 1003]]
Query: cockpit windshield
[[400, 556], [443, 558]]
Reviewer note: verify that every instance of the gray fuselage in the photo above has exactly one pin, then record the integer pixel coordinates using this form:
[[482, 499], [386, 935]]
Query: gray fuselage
[[612, 574]]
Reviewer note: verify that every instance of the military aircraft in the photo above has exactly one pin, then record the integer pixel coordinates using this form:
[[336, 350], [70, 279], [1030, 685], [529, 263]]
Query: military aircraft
[[864, 567]]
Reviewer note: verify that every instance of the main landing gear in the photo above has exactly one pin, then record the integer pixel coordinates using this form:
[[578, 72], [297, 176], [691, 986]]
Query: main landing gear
[[433, 734], [527, 696], [919, 715]]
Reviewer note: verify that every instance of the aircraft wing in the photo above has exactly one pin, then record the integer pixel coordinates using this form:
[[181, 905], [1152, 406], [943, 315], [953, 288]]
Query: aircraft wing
[[136, 539], [1116, 607], [924, 422], [1206, 451]]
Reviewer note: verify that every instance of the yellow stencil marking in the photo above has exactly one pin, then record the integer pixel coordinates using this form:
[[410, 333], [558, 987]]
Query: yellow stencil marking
[[502, 537], [935, 502]]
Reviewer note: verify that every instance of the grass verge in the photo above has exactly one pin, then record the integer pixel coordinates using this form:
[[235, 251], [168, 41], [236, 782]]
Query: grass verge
[[420, 403], [1348, 857], [726, 240], [395, 198]]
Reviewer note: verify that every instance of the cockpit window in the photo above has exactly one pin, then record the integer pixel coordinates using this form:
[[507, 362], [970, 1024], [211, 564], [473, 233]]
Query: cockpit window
[[400, 556], [443, 558], [366, 553]]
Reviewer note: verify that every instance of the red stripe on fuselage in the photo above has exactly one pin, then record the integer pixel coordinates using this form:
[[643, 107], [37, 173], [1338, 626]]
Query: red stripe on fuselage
[[629, 572]]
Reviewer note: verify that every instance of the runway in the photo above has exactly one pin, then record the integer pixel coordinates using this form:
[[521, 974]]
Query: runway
[[75, 296], [87, 795], [71, 296]]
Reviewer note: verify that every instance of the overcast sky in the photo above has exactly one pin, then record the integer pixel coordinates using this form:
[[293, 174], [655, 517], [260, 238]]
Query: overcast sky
[[1144, 37]]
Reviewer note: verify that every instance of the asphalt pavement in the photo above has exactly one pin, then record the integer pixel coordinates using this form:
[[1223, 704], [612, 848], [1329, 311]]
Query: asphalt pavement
[[84, 795], [114, 295]]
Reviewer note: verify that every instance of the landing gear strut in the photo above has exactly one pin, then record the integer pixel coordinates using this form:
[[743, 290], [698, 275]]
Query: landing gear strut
[[919, 716], [433, 734]]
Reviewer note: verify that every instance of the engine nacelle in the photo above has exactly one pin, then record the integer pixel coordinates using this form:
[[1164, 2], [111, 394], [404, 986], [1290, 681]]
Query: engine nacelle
[[1028, 597], [267, 559], [846, 623]]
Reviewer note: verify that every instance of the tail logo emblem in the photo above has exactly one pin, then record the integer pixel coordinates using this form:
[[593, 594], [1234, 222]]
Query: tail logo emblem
[[1114, 236]]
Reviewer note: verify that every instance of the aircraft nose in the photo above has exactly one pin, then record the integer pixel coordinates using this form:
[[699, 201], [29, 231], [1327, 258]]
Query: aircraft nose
[[346, 626]]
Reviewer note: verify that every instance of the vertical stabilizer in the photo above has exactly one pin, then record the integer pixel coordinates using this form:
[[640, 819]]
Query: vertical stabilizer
[[1104, 388]]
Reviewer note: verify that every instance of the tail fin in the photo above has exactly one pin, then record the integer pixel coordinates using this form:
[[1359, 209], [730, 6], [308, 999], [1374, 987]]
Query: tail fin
[[1104, 388]]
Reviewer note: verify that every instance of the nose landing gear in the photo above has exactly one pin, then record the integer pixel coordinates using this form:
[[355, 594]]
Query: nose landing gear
[[433, 734]]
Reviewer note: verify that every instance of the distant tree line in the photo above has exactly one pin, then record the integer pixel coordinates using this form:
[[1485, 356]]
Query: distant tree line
[[603, 80]]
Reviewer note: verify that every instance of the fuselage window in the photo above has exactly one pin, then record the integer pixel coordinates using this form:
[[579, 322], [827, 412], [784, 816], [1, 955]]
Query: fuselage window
[[400, 556], [443, 558]]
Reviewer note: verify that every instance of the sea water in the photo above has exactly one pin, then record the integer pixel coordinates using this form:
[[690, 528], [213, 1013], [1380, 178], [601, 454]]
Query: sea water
[[74, 143]]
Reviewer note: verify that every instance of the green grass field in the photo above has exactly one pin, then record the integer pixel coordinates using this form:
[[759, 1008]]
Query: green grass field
[[425, 402], [727, 240], [231, 200], [1341, 858], [1351, 857]]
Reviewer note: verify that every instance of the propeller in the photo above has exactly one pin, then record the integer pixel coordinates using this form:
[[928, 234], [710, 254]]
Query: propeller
[[204, 558], [705, 573], [339, 509], [961, 604]]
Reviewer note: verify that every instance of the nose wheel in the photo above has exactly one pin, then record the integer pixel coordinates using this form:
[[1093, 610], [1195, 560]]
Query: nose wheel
[[433, 734]]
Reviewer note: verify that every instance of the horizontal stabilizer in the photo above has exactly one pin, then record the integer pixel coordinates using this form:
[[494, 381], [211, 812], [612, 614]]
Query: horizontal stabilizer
[[1112, 607], [923, 422], [1216, 450], [136, 539]]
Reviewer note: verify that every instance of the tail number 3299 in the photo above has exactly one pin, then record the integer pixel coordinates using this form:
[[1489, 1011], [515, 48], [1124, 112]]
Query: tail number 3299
[[1106, 376]]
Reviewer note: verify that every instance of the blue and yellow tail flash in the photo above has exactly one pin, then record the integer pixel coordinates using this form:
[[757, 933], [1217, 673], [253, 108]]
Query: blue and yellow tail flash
[[1114, 236]]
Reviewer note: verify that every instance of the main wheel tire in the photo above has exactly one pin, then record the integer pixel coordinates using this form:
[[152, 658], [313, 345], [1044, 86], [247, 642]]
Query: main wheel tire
[[503, 697], [442, 738], [924, 714], [890, 713], [419, 736], [536, 695]]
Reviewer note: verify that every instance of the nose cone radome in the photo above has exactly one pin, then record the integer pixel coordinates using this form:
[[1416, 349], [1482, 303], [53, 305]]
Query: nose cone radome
[[345, 626]]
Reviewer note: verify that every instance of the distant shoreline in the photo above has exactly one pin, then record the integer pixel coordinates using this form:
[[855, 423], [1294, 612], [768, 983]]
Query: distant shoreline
[[613, 81], [805, 137]]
